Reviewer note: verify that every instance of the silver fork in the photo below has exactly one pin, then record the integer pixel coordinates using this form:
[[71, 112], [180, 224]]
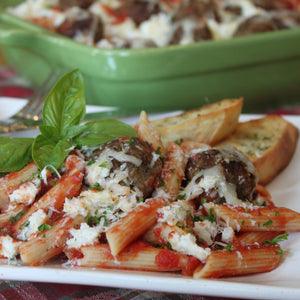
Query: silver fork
[[31, 114]]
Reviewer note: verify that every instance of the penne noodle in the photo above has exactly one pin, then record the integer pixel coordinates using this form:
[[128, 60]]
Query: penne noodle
[[12, 180], [257, 237], [53, 201], [248, 260], [172, 173], [8, 217], [138, 256], [256, 218], [146, 132], [48, 243], [133, 225]]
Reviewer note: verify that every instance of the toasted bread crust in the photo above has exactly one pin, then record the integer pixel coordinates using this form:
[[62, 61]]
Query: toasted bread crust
[[209, 124], [270, 143]]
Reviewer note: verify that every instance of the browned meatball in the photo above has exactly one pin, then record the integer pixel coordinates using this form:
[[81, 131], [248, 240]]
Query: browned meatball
[[90, 24], [271, 4], [138, 10], [236, 168], [143, 176], [255, 24], [286, 19], [65, 4], [197, 9]]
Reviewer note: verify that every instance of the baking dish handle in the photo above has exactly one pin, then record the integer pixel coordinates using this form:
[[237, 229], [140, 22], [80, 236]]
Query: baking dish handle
[[23, 38]]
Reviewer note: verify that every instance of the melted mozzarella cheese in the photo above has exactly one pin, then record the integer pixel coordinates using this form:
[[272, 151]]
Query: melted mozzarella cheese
[[100, 173], [212, 178]]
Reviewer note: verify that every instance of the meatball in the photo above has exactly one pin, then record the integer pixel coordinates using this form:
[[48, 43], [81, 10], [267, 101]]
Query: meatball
[[286, 19], [271, 4], [237, 170], [255, 24], [142, 176], [197, 9], [89, 24], [65, 4], [138, 10]]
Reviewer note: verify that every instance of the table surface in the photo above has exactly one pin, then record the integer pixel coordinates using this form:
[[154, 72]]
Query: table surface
[[14, 86]]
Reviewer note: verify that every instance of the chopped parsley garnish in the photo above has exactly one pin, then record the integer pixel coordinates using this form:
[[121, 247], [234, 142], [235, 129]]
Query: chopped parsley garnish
[[91, 162], [279, 251], [277, 213], [217, 247], [229, 247], [103, 165], [168, 245], [161, 182], [181, 196], [94, 220], [26, 224], [96, 186], [268, 223], [141, 199], [44, 227], [178, 142], [17, 216], [131, 142], [172, 171], [277, 239], [203, 200], [211, 217]]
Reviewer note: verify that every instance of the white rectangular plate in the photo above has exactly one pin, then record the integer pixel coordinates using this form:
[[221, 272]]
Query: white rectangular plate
[[282, 283]]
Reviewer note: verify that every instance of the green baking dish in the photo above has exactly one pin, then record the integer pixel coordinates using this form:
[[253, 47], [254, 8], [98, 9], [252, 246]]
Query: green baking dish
[[262, 68]]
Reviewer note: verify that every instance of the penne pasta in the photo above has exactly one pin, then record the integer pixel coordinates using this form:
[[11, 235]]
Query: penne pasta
[[53, 201], [146, 132], [48, 243], [133, 225], [257, 237], [249, 260], [257, 218], [172, 173], [12, 180], [8, 217], [138, 256]]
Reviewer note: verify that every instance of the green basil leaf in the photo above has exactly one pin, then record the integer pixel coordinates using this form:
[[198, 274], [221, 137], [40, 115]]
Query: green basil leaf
[[74, 131], [65, 105], [46, 152], [49, 132], [14, 153], [103, 131]]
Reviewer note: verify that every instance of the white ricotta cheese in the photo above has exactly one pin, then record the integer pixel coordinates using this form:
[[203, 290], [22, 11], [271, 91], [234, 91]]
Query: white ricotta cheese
[[186, 244], [206, 231], [83, 236], [34, 221], [9, 247], [25, 193], [227, 234], [174, 213]]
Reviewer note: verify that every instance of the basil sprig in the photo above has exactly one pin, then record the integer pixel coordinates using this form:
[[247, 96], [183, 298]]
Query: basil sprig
[[61, 131]]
